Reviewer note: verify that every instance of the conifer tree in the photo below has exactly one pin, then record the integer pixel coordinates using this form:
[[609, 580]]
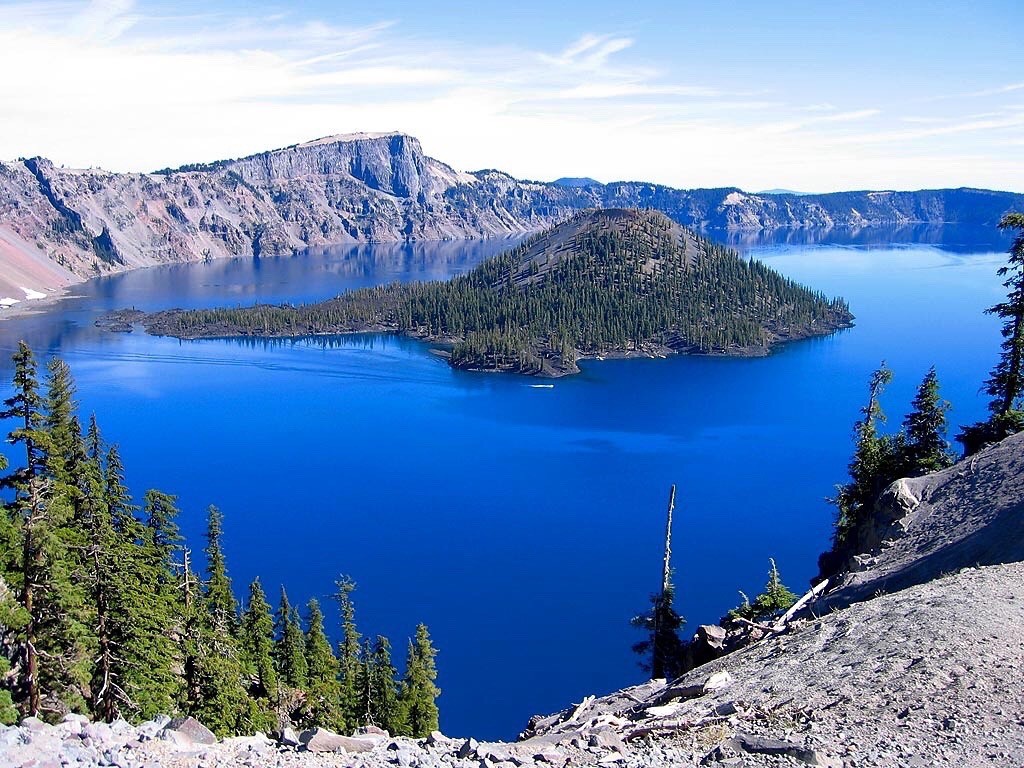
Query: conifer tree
[[256, 640], [1006, 382], [775, 597], [290, 650], [364, 691], [161, 509], [105, 556], [117, 498], [663, 647], [25, 408], [419, 693], [323, 694], [77, 635], [256, 644], [873, 460], [926, 449], [12, 620], [348, 652], [220, 600], [94, 440], [52, 669], [26, 531], [65, 447], [385, 708], [152, 607], [222, 703]]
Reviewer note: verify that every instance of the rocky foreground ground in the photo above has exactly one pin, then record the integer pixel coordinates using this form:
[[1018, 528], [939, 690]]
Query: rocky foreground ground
[[926, 670]]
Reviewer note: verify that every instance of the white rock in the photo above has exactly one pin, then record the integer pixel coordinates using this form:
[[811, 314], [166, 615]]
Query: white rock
[[718, 681], [668, 710]]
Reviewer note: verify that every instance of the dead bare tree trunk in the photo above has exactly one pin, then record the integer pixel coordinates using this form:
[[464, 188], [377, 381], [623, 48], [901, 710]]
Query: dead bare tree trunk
[[659, 654], [666, 571]]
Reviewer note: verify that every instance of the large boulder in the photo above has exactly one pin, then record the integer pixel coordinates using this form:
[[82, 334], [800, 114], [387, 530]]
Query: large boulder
[[287, 737], [190, 729], [323, 740], [35, 724], [708, 644]]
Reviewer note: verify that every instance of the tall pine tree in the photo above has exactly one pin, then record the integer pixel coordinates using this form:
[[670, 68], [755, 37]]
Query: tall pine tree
[[419, 692], [1006, 382], [926, 449], [290, 649], [256, 643], [323, 700], [384, 706], [348, 652], [222, 704]]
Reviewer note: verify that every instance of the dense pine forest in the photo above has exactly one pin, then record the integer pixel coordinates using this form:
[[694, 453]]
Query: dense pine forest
[[103, 613], [604, 283]]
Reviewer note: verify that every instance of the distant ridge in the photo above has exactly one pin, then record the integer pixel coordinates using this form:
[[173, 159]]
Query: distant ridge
[[60, 226], [576, 181]]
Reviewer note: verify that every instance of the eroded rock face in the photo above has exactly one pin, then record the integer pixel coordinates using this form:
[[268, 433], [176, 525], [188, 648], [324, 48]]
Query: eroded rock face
[[69, 224], [60, 225]]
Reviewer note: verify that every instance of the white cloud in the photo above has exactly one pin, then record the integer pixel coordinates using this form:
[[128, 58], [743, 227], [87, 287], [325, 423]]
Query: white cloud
[[803, 122], [108, 83]]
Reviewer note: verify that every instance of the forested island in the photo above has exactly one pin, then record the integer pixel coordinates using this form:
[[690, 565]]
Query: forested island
[[604, 283]]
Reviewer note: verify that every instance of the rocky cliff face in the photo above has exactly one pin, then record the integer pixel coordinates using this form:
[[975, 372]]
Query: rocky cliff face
[[59, 226], [923, 527]]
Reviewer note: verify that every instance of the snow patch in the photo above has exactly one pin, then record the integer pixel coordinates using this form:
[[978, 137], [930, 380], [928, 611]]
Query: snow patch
[[31, 295], [734, 198]]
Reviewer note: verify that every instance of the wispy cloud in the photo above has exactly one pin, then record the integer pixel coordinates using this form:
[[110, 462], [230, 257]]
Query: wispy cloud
[[790, 126], [997, 90], [590, 51], [118, 84], [1010, 121]]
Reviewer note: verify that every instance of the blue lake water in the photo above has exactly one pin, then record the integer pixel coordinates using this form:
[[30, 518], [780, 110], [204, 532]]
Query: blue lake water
[[522, 524]]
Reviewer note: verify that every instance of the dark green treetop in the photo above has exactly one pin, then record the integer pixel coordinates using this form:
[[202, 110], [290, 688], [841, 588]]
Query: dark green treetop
[[926, 448], [419, 692]]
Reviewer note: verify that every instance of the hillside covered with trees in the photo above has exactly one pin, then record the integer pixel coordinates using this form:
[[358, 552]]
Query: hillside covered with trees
[[102, 611], [606, 282]]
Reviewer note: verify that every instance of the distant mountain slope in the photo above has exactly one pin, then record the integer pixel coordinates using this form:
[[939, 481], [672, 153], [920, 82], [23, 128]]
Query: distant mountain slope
[[576, 181], [60, 225], [605, 282]]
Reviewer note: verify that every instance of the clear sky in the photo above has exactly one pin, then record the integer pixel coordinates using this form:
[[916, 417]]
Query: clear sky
[[812, 96]]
